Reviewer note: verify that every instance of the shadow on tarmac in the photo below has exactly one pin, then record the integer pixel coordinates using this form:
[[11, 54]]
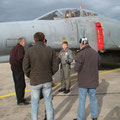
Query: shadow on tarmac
[[100, 95], [113, 114], [67, 103]]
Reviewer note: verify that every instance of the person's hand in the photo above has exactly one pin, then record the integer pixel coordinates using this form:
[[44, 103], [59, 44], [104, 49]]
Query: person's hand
[[60, 54], [59, 60], [66, 60], [53, 85]]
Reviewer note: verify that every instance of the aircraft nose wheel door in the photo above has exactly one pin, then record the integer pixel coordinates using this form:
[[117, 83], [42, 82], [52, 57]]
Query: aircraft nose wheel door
[[100, 36]]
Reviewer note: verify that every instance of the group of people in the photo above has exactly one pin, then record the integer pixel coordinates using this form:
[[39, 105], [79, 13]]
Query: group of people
[[40, 63]]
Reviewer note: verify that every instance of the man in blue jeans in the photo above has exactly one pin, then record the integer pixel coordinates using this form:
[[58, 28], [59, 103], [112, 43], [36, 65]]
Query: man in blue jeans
[[87, 64], [40, 64]]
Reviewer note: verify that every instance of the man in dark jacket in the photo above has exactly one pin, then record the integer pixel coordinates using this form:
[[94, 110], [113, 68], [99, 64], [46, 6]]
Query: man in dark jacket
[[40, 64], [16, 59], [86, 64]]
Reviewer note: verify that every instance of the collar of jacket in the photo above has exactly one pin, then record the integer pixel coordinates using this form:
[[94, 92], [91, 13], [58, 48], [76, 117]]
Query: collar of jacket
[[20, 45], [87, 46], [65, 50], [39, 43]]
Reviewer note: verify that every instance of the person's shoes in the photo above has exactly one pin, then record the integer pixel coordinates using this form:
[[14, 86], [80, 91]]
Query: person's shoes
[[94, 118], [23, 103], [24, 100], [45, 118], [66, 91], [62, 90]]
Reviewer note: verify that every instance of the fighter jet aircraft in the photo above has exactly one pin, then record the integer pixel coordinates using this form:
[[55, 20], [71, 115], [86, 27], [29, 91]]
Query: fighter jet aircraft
[[60, 25]]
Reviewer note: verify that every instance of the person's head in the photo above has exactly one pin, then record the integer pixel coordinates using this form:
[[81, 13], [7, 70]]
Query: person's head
[[65, 45], [83, 42], [39, 37], [21, 41]]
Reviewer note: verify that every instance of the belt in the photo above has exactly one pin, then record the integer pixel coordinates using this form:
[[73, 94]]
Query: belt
[[65, 65]]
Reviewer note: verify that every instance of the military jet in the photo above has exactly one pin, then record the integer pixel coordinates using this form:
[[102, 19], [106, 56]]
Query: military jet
[[60, 25]]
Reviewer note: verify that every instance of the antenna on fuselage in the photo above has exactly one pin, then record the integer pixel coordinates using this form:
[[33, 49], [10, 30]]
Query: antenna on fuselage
[[81, 10], [82, 14]]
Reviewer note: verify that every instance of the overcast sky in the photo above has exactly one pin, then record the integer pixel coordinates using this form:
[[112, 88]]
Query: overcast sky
[[16, 10]]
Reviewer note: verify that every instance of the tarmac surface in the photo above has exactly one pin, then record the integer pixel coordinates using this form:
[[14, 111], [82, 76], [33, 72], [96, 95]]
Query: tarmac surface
[[65, 105]]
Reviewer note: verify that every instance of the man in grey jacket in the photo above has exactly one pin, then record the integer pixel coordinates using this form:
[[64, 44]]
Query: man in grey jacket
[[87, 63], [40, 64], [65, 58]]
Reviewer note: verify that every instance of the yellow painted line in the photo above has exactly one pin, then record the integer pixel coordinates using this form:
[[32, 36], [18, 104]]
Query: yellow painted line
[[109, 71], [12, 94], [3, 96], [27, 90], [55, 84]]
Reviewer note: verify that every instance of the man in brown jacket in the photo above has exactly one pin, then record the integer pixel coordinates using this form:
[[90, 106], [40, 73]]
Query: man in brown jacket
[[16, 59], [86, 64], [40, 64]]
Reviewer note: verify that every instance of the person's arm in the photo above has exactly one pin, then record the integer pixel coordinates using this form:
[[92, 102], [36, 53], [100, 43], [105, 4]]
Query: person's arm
[[55, 64], [78, 63], [20, 54], [59, 57], [59, 60], [70, 58], [26, 64], [99, 60]]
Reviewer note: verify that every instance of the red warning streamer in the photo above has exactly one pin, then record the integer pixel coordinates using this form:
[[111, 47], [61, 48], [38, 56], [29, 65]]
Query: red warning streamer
[[100, 36]]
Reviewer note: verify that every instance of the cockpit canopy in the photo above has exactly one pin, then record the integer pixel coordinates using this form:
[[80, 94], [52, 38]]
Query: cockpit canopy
[[66, 13]]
